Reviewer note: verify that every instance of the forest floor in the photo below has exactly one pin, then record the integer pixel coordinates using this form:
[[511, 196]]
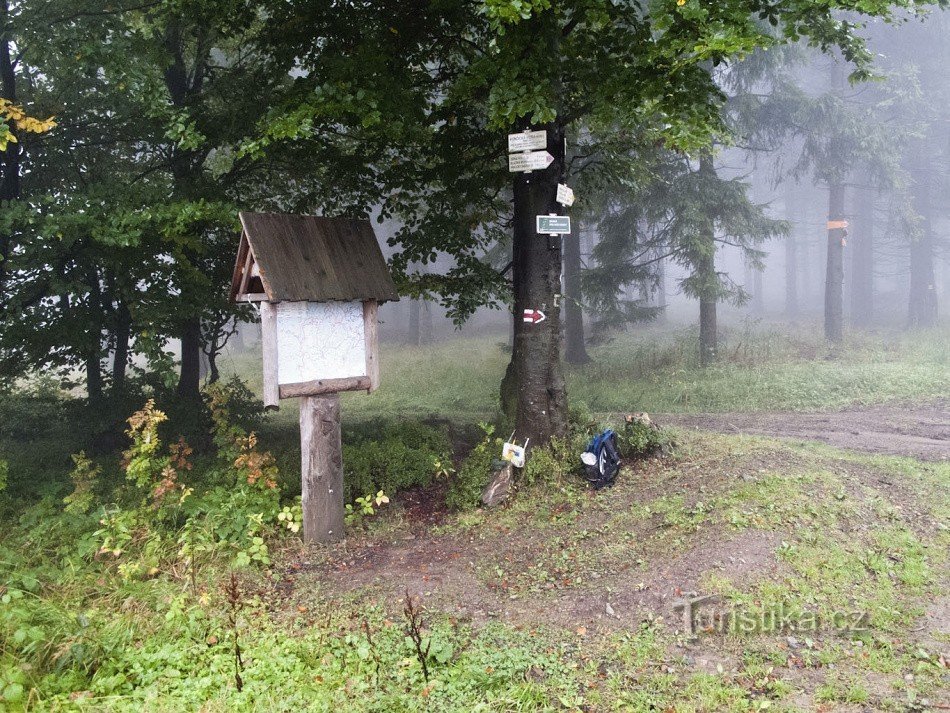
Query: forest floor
[[919, 430], [827, 571]]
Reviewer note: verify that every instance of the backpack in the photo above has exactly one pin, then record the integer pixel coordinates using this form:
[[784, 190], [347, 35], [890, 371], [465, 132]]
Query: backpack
[[603, 461]]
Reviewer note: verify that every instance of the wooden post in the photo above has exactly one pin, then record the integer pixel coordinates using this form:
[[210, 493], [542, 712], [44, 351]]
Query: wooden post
[[370, 316], [321, 468]]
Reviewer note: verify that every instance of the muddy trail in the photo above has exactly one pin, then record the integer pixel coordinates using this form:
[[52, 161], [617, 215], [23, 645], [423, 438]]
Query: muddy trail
[[918, 431]]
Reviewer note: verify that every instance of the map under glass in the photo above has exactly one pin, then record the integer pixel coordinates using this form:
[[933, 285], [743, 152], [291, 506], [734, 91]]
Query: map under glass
[[319, 340]]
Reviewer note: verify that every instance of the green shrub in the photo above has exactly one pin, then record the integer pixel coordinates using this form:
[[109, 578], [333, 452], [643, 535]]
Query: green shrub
[[639, 438], [393, 457], [560, 457], [466, 487]]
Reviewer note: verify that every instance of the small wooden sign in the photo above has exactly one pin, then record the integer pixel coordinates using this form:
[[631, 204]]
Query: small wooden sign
[[527, 141]]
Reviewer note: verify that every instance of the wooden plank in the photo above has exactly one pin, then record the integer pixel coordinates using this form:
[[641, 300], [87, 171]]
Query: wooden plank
[[371, 335], [321, 468], [324, 386], [246, 273], [269, 349], [254, 297], [243, 249]]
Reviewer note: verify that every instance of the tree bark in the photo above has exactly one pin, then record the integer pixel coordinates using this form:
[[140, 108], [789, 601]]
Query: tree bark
[[834, 267], [709, 295], [120, 356], [758, 299], [420, 322], [533, 386], [862, 261], [94, 377], [10, 157], [661, 290], [708, 328], [922, 307], [189, 381], [575, 351], [791, 254]]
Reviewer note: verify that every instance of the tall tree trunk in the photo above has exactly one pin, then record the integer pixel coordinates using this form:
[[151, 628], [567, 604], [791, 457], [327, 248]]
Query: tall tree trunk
[[709, 293], [534, 382], [758, 299], [420, 322], [792, 208], [189, 381], [120, 357], [661, 290], [791, 275], [10, 157], [834, 268], [922, 308], [94, 341], [94, 377], [413, 337], [708, 328], [575, 351], [862, 261]]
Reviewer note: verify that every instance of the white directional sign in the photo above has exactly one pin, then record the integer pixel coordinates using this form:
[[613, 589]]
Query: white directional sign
[[527, 141], [553, 224], [565, 196], [531, 161]]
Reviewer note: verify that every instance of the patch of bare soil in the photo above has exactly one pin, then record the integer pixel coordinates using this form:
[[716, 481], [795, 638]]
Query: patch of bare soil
[[918, 431]]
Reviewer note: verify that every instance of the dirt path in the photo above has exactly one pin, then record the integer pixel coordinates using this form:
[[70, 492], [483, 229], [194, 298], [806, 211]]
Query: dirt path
[[919, 431]]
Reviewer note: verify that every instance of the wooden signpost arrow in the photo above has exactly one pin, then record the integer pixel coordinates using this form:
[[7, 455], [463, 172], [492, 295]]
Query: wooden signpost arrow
[[529, 161]]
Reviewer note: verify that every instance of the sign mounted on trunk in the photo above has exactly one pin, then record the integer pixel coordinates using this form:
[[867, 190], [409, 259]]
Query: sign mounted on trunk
[[553, 224], [527, 141], [565, 196], [530, 161], [534, 316]]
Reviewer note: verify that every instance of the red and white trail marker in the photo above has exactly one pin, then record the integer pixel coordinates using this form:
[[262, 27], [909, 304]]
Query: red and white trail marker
[[533, 316]]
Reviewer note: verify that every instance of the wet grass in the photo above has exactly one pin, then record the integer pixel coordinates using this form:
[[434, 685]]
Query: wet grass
[[761, 367]]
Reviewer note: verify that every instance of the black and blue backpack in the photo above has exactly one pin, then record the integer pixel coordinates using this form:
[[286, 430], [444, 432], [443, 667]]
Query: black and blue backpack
[[601, 469]]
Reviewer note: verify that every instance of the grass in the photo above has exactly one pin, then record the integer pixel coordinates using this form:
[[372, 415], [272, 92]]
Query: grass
[[514, 599], [761, 367], [850, 533]]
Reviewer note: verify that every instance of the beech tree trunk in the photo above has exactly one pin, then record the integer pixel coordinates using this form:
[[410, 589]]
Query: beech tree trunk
[[10, 157], [834, 267], [862, 261], [120, 357], [189, 381], [575, 349], [533, 388], [93, 377], [922, 307]]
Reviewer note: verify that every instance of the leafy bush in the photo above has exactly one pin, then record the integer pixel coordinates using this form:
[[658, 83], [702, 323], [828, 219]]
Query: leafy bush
[[641, 437], [397, 456], [465, 488], [561, 457]]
